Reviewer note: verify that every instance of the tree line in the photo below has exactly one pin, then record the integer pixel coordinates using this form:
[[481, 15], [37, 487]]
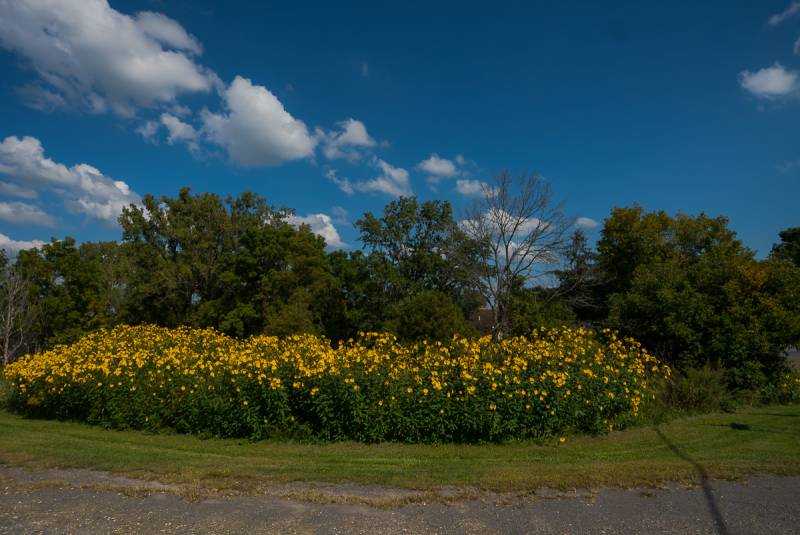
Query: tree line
[[684, 286]]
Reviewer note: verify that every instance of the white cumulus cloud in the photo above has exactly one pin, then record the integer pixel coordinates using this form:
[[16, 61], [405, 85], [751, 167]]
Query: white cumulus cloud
[[21, 213], [88, 53], [321, 225], [391, 181], [83, 188], [439, 168], [770, 82], [167, 31], [471, 187], [15, 246], [255, 128], [347, 142]]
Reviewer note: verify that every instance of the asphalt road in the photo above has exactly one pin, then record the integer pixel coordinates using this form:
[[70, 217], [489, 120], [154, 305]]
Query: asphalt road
[[80, 501]]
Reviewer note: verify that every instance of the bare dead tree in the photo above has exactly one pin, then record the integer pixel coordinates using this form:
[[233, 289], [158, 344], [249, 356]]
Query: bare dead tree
[[16, 313], [521, 233]]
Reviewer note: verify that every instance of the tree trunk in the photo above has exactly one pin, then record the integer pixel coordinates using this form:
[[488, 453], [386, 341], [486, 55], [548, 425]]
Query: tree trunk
[[7, 330]]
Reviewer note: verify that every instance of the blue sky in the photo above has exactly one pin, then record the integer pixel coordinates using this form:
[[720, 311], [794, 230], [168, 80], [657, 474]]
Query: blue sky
[[335, 109]]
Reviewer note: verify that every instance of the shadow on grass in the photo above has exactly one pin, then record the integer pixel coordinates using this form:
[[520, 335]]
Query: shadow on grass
[[708, 492], [775, 414], [759, 428]]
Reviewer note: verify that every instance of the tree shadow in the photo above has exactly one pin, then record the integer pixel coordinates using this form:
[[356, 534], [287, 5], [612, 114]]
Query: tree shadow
[[708, 492], [775, 414], [747, 427]]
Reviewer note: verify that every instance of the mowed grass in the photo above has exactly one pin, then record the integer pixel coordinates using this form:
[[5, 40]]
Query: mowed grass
[[758, 440]]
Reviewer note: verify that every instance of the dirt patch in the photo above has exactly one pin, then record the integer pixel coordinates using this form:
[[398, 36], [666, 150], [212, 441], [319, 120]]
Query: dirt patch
[[27, 480]]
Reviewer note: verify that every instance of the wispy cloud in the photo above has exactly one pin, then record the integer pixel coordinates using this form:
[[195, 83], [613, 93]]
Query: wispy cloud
[[392, 181], [21, 213], [179, 131], [343, 183], [15, 190], [789, 167], [790, 11], [340, 215], [470, 188]]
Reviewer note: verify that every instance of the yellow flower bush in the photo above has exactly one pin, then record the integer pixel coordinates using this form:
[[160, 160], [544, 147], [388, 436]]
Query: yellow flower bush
[[370, 389]]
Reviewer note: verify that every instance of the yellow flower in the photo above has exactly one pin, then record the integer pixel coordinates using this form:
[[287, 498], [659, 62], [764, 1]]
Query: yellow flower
[[549, 367]]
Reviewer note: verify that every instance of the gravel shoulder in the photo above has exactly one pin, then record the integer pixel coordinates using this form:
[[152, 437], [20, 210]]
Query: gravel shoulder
[[86, 501]]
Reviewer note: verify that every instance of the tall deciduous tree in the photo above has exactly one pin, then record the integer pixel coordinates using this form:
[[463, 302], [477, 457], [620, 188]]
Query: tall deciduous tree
[[689, 290], [237, 265], [419, 247], [67, 284], [176, 248]]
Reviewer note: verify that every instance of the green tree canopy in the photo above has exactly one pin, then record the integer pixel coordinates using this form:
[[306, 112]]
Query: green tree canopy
[[692, 293], [72, 288], [789, 246], [419, 246], [237, 265]]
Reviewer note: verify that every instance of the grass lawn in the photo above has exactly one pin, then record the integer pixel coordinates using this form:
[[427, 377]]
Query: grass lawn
[[758, 440]]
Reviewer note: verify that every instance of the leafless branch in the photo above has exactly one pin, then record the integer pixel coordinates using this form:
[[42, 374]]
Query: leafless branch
[[522, 233], [16, 313]]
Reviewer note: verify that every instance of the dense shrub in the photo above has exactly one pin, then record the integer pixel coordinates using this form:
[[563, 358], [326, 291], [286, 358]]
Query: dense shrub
[[698, 390], [786, 389], [707, 389], [429, 315], [371, 389]]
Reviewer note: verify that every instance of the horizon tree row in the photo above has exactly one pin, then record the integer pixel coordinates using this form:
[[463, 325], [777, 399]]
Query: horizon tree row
[[684, 286]]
